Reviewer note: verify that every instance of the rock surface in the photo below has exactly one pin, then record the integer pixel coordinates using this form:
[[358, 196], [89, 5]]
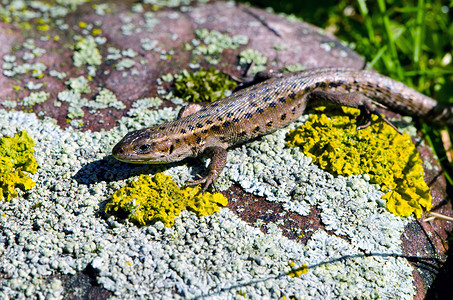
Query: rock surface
[[138, 44]]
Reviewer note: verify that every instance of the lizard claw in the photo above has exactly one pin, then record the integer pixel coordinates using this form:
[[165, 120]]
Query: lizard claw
[[208, 180], [363, 126], [218, 160], [366, 110]]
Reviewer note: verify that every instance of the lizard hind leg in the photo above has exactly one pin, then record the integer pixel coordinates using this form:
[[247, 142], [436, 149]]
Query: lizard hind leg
[[366, 110], [356, 100]]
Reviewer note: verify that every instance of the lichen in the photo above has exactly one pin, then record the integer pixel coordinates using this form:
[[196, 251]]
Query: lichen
[[150, 102], [9, 104], [106, 98], [125, 63], [250, 56], [215, 41], [148, 44], [16, 157], [79, 85], [35, 98], [391, 159], [295, 68], [210, 44], [86, 53], [149, 200], [13, 68], [166, 3], [203, 85], [297, 272]]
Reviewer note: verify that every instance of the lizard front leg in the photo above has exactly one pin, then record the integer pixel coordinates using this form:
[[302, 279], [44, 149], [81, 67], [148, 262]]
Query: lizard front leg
[[218, 157]]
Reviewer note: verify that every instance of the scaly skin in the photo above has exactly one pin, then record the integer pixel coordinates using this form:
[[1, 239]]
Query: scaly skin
[[266, 107]]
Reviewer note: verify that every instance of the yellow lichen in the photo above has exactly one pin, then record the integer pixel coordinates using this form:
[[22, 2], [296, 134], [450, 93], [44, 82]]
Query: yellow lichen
[[149, 200], [297, 272], [391, 159], [96, 31], [16, 157], [43, 27]]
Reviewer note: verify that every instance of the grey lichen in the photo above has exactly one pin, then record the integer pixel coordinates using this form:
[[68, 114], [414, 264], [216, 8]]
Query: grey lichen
[[250, 56], [210, 43], [87, 53], [106, 98], [79, 85], [35, 98]]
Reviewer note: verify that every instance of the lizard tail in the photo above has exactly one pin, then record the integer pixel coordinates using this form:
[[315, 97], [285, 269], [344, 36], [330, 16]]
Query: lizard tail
[[441, 114]]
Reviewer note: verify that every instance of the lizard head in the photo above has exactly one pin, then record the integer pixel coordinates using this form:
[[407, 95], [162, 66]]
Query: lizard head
[[146, 146]]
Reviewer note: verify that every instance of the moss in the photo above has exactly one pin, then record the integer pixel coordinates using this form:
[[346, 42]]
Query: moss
[[391, 159], [16, 157], [203, 85], [149, 200]]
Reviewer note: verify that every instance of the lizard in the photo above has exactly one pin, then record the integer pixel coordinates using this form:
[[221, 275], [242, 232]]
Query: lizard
[[267, 106]]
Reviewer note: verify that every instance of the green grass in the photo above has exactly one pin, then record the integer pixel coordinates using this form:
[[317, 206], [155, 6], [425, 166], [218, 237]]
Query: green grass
[[410, 41]]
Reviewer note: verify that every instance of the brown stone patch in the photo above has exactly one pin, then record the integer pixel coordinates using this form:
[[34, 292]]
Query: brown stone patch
[[429, 239], [251, 208]]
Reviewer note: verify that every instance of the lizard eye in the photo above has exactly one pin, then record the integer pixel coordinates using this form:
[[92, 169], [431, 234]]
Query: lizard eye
[[143, 148]]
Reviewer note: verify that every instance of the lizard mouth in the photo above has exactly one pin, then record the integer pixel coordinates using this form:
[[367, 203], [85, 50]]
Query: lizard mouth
[[120, 154], [132, 159], [124, 156]]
